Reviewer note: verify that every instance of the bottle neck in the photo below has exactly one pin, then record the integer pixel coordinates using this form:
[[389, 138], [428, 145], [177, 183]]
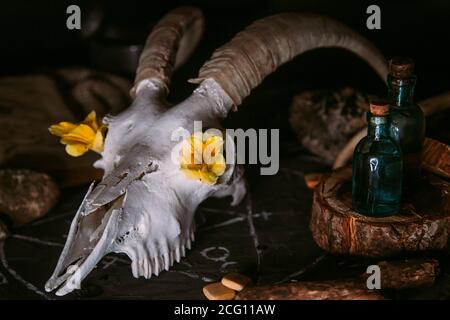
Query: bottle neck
[[378, 127], [401, 91]]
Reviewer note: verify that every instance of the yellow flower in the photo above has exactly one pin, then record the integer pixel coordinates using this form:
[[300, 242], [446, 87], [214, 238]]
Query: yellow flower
[[79, 138], [202, 157]]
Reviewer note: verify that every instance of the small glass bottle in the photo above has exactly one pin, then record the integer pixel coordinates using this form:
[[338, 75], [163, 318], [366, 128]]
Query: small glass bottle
[[407, 119], [377, 167]]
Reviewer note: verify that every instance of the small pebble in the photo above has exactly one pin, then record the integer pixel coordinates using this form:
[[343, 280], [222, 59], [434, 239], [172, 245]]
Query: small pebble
[[217, 291], [236, 281]]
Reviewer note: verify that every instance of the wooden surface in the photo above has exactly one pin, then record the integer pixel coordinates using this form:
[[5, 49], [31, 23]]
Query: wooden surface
[[423, 223]]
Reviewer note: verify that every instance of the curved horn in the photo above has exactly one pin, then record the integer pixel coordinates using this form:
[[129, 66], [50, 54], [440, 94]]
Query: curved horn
[[254, 53], [168, 46]]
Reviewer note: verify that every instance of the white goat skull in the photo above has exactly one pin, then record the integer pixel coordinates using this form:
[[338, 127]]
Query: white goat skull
[[144, 205]]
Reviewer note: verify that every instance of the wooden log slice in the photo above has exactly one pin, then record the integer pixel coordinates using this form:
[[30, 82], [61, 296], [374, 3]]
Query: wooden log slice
[[423, 224]]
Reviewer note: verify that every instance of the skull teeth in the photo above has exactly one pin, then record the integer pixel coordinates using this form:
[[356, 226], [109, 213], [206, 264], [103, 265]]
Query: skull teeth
[[157, 269], [149, 266], [166, 261], [147, 270], [188, 244], [171, 254]]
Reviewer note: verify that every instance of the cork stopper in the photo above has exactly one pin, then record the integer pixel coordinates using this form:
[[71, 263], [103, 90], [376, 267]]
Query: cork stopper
[[401, 67], [379, 108]]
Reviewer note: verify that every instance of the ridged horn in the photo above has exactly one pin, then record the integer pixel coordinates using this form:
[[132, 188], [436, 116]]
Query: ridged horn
[[169, 45], [240, 65]]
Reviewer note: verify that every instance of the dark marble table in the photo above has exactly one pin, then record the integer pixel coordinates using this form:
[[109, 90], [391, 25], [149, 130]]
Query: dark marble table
[[266, 237]]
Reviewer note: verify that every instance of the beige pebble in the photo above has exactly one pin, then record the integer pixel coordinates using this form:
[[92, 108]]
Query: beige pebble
[[235, 281], [217, 291]]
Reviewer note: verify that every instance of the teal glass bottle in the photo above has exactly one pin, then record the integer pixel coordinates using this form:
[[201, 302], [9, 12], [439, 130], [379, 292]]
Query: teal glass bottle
[[377, 167], [407, 119]]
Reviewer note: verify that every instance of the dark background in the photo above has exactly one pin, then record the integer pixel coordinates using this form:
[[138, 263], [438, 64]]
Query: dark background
[[34, 34], [34, 37]]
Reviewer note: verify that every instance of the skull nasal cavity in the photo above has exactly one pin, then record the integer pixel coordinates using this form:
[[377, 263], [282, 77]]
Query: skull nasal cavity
[[121, 177]]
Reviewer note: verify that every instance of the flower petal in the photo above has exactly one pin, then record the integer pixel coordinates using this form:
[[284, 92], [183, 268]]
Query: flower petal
[[78, 138], [82, 133], [61, 128], [202, 159], [212, 149], [208, 177], [97, 144], [76, 149], [214, 141], [91, 120], [218, 167], [192, 174]]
